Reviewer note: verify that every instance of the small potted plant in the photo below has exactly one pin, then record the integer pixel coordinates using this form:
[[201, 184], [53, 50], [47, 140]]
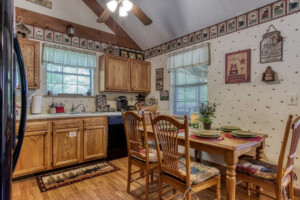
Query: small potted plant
[[207, 112]]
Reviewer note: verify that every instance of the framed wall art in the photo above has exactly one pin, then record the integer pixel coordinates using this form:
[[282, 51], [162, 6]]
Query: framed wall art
[[168, 46], [237, 67], [98, 46], [253, 18], [213, 31], [293, 6], [140, 56], [163, 48], [271, 46], [75, 41], [179, 43], [159, 50], [58, 37], [198, 37], [45, 3], [38, 33], [159, 79], [191, 39], [83, 43], [67, 40], [241, 22], [265, 14], [164, 95], [205, 34], [278, 9], [91, 45], [222, 29], [124, 53], [185, 41], [231, 25], [48, 35], [132, 55], [174, 45]]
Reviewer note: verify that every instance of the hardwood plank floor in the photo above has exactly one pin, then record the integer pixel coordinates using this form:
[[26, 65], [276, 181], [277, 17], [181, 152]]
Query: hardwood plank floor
[[107, 187]]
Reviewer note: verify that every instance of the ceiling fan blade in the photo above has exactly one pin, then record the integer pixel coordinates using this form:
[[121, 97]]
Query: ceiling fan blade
[[141, 15], [104, 16]]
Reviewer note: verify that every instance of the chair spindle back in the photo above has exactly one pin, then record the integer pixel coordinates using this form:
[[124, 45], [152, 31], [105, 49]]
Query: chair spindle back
[[166, 130], [135, 137]]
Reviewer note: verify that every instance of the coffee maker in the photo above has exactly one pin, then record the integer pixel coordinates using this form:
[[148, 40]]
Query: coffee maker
[[122, 103]]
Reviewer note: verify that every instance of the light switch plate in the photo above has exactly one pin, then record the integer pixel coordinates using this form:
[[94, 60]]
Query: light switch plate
[[292, 99]]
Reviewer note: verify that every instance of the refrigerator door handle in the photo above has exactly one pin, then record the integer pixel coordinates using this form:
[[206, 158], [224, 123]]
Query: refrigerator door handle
[[24, 91]]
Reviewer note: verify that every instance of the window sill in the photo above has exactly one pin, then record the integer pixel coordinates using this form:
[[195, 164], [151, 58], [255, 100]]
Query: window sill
[[67, 96]]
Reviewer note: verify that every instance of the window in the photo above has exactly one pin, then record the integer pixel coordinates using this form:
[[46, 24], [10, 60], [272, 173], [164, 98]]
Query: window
[[189, 89], [68, 80], [68, 70], [188, 68]]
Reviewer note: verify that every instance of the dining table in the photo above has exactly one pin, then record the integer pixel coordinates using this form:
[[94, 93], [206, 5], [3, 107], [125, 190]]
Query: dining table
[[229, 148]]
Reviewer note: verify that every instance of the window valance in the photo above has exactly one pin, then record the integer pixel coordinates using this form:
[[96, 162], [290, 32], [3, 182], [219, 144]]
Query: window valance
[[65, 56], [198, 55]]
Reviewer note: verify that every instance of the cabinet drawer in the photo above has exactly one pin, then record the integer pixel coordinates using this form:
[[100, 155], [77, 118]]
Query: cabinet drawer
[[34, 126], [95, 121], [64, 124]]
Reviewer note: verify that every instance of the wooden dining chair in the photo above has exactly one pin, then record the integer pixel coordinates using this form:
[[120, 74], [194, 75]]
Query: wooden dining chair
[[273, 177], [139, 153], [180, 173]]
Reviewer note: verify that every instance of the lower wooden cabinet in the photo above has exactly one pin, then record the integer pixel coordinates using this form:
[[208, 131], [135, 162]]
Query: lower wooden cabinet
[[61, 142], [95, 142], [66, 146], [34, 156]]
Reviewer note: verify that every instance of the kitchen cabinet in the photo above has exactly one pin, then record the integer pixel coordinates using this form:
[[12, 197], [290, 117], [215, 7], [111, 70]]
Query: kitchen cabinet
[[120, 74], [31, 55], [95, 138], [114, 73], [140, 80], [35, 153], [66, 146]]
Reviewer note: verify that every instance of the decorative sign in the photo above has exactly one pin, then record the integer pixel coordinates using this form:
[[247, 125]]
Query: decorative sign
[[271, 47], [237, 69], [164, 95], [45, 3], [159, 75], [72, 134], [101, 105]]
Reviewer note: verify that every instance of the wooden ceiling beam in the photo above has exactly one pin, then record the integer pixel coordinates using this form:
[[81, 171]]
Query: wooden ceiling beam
[[111, 23], [59, 25]]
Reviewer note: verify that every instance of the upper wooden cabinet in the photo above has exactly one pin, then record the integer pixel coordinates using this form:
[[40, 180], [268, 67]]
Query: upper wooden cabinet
[[124, 74], [31, 55], [140, 80]]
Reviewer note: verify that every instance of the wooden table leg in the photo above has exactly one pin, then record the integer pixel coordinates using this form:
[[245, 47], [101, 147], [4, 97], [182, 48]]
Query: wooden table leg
[[260, 157], [231, 160]]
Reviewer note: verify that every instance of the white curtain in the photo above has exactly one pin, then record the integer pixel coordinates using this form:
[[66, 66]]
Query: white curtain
[[71, 57], [198, 55]]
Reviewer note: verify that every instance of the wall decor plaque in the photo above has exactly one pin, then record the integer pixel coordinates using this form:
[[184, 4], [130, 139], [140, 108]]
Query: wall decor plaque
[[271, 47], [237, 68], [159, 77]]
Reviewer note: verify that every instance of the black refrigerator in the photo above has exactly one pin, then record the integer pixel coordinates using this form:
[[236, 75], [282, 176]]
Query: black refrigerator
[[12, 73]]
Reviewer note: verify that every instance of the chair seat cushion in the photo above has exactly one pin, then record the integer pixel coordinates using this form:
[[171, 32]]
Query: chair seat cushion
[[199, 172], [152, 154], [258, 169]]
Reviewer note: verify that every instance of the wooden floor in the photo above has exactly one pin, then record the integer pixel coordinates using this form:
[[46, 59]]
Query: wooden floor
[[107, 187]]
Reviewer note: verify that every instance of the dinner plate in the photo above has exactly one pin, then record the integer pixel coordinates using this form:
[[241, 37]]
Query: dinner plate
[[243, 134], [229, 128], [207, 134]]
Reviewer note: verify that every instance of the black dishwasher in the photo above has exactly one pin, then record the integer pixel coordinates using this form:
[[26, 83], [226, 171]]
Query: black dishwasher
[[117, 145]]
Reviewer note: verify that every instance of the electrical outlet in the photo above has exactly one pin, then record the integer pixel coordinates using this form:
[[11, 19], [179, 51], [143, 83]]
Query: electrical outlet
[[292, 99]]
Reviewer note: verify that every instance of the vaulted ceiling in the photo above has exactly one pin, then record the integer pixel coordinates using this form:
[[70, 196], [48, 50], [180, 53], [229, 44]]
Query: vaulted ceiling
[[176, 18]]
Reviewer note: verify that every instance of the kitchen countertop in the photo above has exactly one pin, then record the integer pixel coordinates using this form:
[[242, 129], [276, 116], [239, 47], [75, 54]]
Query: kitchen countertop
[[68, 115]]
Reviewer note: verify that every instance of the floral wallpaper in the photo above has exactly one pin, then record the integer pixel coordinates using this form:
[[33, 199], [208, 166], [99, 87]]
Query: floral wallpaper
[[257, 106]]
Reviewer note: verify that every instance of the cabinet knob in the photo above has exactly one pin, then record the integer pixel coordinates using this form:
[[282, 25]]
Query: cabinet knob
[[46, 132], [35, 84]]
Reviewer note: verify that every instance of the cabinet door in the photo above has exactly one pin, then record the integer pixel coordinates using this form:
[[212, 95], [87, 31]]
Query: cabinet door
[[140, 76], [66, 146], [95, 142], [31, 56], [34, 153], [117, 74]]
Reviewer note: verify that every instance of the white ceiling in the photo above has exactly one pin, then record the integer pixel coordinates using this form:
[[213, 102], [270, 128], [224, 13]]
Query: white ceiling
[[176, 18]]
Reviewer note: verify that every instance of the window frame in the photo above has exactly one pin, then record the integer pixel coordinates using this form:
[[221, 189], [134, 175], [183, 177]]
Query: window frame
[[91, 76], [174, 92]]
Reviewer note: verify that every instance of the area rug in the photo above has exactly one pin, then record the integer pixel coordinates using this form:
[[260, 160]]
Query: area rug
[[69, 176]]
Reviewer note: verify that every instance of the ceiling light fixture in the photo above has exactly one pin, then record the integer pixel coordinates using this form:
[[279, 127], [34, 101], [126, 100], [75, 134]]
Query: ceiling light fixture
[[124, 6], [112, 5]]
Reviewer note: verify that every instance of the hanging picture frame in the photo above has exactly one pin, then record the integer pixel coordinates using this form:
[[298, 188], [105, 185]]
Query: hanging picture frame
[[237, 67], [271, 46], [159, 79]]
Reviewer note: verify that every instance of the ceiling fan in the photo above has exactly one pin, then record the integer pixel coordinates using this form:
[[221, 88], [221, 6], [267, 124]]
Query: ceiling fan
[[124, 6]]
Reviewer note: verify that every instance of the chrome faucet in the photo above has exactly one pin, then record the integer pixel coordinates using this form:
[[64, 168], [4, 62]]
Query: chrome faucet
[[74, 108]]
